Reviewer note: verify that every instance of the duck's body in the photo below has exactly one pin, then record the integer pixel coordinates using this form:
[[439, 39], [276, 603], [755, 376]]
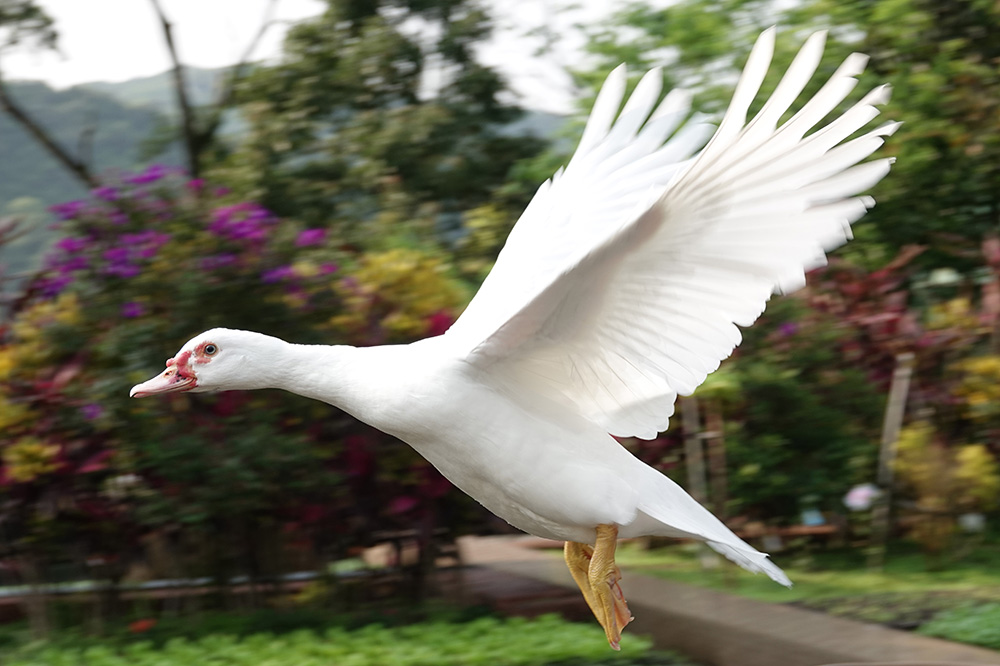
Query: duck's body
[[541, 466], [620, 288]]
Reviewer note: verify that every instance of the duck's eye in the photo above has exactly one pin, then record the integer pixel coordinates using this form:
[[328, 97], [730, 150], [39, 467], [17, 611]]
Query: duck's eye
[[210, 349]]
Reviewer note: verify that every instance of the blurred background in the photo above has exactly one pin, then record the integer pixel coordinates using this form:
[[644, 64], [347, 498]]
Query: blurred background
[[346, 171]]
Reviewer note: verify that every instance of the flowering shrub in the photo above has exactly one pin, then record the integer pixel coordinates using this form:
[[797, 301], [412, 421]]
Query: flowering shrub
[[145, 263], [801, 424], [398, 295], [944, 482]]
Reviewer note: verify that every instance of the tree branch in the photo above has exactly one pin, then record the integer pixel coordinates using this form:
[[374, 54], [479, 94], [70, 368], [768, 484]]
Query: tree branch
[[187, 113], [236, 73], [75, 166]]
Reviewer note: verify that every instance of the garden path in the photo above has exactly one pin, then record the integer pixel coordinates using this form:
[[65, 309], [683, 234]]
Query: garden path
[[514, 574]]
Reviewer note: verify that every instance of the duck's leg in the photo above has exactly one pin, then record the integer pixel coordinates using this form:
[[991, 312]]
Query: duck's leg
[[578, 560], [604, 575], [597, 575]]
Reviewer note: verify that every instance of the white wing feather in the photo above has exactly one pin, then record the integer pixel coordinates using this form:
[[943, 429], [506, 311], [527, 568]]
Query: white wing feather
[[622, 283]]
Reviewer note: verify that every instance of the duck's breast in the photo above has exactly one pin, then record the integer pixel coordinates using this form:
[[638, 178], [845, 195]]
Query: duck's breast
[[535, 464]]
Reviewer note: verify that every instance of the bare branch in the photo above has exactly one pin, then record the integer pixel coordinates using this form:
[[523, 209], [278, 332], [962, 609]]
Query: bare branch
[[236, 72], [75, 166], [190, 137], [85, 143]]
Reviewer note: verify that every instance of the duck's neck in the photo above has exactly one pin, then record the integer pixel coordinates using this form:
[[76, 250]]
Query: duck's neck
[[332, 374]]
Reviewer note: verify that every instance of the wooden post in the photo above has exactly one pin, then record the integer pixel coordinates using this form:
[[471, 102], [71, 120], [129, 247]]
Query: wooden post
[[694, 460], [715, 439], [894, 412], [36, 600]]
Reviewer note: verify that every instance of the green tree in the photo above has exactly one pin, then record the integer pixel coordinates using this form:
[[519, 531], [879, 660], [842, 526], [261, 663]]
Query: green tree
[[379, 116], [942, 59]]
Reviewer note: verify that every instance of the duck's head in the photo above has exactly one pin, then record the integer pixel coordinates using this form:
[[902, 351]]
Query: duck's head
[[221, 359]]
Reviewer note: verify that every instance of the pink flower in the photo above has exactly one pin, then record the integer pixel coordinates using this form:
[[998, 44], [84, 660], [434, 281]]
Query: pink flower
[[153, 173], [861, 497], [131, 310], [92, 411], [73, 245], [439, 322], [402, 504], [279, 274], [105, 192], [310, 237], [68, 210]]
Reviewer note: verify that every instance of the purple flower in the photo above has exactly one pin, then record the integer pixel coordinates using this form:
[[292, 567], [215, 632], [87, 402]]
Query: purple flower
[[117, 255], [157, 238], [53, 286], [123, 260], [195, 184], [132, 309], [72, 245], [788, 328], [106, 193], [153, 173], [278, 274], [217, 261], [72, 264], [310, 237], [67, 210], [92, 411], [124, 271], [133, 239], [118, 218], [145, 244], [243, 221], [327, 268]]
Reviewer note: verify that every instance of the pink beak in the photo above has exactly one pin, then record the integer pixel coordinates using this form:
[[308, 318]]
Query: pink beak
[[168, 381]]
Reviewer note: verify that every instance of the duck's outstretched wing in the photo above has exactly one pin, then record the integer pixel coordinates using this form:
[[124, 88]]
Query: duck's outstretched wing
[[622, 283]]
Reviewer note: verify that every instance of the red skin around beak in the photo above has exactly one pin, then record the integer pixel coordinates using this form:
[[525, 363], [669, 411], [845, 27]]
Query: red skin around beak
[[176, 378]]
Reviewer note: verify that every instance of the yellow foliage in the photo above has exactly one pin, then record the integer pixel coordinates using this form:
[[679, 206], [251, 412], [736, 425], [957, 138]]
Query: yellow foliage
[[305, 269], [980, 386], [486, 229], [978, 472], [944, 481], [63, 310], [956, 313], [30, 349], [28, 458], [7, 362], [12, 414], [399, 289], [919, 459]]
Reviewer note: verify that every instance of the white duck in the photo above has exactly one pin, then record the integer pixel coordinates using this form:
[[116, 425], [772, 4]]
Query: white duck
[[619, 288]]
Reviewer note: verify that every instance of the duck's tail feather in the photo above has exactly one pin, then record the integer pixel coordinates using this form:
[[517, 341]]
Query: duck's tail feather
[[752, 560], [667, 510]]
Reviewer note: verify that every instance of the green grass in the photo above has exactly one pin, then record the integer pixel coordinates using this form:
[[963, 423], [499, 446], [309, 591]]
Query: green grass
[[975, 624], [235, 640], [823, 575], [959, 603]]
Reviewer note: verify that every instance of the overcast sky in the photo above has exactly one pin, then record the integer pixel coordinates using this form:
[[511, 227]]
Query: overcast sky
[[116, 40]]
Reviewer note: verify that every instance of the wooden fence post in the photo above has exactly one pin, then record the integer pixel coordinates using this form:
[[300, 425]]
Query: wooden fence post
[[894, 412], [694, 459]]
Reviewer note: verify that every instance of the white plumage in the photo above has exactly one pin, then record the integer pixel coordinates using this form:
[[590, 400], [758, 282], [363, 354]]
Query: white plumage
[[620, 287]]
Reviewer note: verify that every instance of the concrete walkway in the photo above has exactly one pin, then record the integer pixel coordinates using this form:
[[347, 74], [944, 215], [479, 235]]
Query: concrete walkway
[[711, 627]]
